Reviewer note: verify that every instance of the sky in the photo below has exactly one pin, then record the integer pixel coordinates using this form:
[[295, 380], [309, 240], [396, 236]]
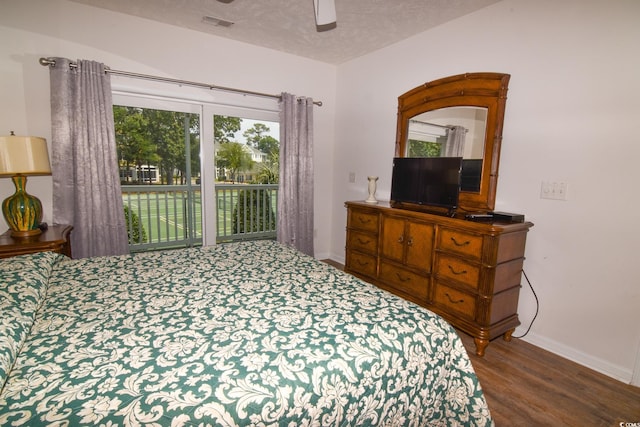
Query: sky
[[274, 129]]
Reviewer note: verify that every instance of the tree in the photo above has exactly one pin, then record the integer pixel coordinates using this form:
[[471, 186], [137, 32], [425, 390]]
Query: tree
[[256, 138], [167, 130], [135, 230], [254, 135], [253, 212], [269, 145], [134, 146], [157, 137], [225, 128], [423, 149], [233, 157], [195, 149], [268, 174], [269, 171]]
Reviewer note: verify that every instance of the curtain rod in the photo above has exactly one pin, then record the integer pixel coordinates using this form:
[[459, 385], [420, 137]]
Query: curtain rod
[[48, 62], [431, 124]]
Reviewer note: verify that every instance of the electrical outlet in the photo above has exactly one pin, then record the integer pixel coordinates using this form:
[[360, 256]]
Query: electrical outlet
[[352, 177], [554, 190]]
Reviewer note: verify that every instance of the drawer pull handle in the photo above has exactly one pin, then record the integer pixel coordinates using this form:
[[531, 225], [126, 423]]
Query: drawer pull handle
[[452, 301], [363, 242], [401, 239], [410, 241], [364, 220], [362, 264], [457, 273], [403, 279], [455, 242]]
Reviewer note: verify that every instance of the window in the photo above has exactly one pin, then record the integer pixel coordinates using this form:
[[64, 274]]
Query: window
[[425, 140], [247, 172], [189, 170]]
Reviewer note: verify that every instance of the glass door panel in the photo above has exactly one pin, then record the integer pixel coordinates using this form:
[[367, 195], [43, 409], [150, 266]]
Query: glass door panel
[[246, 177], [158, 147]]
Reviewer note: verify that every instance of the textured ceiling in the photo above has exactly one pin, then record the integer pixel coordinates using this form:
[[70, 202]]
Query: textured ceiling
[[289, 25]]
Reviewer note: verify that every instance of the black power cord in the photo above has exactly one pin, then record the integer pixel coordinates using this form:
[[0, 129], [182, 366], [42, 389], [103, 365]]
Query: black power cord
[[537, 306]]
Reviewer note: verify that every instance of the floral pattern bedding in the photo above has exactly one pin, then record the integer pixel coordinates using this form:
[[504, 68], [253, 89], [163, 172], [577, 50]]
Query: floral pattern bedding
[[239, 334]]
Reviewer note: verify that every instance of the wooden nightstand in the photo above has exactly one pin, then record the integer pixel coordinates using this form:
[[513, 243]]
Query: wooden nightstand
[[55, 238]]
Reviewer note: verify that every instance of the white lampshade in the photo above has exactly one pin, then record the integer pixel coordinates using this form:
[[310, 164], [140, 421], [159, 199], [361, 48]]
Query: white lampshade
[[24, 155]]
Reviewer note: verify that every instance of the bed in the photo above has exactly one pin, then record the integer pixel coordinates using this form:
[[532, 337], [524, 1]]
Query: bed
[[248, 333]]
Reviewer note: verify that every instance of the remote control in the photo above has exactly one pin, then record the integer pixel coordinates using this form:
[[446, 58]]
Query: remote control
[[479, 217]]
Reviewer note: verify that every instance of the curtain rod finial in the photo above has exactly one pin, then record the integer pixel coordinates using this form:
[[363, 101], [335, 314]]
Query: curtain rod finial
[[46, 61]]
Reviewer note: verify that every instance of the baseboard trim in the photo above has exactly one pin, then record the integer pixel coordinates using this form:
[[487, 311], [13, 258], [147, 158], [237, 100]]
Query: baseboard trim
[[322, 255], [336, 258], [635, 380], [609, 369]]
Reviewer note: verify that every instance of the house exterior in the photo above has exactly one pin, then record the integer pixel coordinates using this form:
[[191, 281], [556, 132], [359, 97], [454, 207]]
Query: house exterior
[[243, 174], [257, 157], [572, 116], [145, 174]]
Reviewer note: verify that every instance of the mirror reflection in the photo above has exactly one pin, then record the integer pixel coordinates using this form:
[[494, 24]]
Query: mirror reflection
[[473, 101], [451, 132]]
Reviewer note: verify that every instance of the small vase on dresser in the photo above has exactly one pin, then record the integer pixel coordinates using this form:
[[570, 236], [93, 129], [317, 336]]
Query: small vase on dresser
[[372, 189]]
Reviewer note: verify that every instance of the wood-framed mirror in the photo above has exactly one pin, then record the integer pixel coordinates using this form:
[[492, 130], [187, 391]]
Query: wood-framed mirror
[[461, 116]]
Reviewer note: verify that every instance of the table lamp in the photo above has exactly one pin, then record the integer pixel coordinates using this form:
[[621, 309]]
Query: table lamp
[[21, 156]]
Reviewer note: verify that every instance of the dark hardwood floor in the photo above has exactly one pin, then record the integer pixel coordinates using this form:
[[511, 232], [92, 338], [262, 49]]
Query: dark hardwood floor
[[527, 386]]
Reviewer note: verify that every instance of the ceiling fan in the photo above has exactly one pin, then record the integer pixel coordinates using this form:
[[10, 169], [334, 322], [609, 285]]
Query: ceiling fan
[[324, 10]]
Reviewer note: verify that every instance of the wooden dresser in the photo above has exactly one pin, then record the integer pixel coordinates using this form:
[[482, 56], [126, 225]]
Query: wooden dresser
[[467, 272]]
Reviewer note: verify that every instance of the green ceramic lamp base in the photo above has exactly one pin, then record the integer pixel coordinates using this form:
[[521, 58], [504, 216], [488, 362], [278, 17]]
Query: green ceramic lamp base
[[22, 211]]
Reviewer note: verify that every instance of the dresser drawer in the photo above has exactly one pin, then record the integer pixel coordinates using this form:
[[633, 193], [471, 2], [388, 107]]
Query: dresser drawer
[[361, 263], [403, 280], [363, 220], [457, 269], [365, 242], [454, 300], [460, 242]]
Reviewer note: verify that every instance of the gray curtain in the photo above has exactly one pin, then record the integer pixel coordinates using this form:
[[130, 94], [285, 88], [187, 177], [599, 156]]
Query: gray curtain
[[454, 146], [86, 180], [295, 194]]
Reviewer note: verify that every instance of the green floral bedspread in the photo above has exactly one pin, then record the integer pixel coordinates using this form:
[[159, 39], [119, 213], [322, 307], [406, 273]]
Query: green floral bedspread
[[239, 334]]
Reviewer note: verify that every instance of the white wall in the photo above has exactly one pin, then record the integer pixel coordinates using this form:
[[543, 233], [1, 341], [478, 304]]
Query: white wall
[[30, 29], [573, 114]]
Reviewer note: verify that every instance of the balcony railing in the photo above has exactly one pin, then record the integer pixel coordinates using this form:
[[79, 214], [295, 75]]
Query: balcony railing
[[170, 216]]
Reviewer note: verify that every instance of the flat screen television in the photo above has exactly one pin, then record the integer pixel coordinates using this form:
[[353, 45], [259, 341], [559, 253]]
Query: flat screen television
[[429, 184]]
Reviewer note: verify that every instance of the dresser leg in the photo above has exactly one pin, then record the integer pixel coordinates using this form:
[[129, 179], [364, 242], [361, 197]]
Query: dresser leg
[[507, 335], [481, 345]]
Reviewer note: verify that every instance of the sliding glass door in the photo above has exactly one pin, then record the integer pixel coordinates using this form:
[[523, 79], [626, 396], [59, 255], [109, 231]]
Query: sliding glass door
[[158, 144], [246, 177], [195, 173]]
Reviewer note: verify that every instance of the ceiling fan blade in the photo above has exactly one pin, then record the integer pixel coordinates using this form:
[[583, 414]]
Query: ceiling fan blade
[[325, 12]]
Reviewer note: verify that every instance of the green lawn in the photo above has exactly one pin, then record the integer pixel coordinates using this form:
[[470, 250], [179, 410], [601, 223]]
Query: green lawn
[[164, 215]]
